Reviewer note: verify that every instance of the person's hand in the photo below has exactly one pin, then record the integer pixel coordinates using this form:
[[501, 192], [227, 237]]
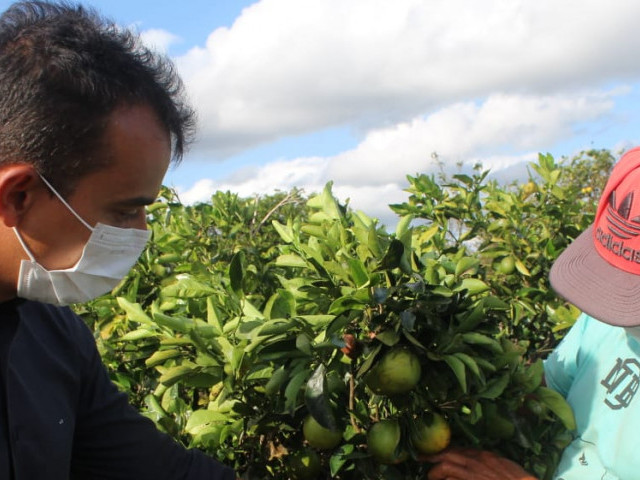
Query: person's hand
[[471, 464]]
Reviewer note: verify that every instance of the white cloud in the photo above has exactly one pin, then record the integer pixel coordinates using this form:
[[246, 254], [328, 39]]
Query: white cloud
[[468, 132], [287, 67], [305, 173], [158, 39], [502, 133]]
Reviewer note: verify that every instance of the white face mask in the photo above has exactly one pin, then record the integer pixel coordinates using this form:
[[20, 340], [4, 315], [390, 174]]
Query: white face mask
[[106, 258]]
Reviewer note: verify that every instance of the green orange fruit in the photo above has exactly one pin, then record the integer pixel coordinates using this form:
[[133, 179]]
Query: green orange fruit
[[530, 187], [396, 373], [304, 465], [432, 434], [507, 265], [318, 436], [383, 442]]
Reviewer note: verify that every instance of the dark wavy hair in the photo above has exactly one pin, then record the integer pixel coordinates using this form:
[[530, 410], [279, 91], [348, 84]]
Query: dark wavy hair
[[63, 70]]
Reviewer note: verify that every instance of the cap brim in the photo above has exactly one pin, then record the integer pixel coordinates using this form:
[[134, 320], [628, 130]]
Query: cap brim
[[584, 278]]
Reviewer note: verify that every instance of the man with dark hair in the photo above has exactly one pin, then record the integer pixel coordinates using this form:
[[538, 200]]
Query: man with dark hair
[[89, 122]]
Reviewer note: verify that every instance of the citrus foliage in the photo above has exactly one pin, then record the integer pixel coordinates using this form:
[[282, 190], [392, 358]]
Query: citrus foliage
[[251, 327]]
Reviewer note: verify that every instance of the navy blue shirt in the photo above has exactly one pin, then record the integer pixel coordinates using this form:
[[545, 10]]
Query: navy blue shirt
[[8, 323], [64, 418]]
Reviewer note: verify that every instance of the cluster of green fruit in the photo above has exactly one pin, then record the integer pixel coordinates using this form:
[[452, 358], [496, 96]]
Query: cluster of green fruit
[[396, 373], [430, 434]]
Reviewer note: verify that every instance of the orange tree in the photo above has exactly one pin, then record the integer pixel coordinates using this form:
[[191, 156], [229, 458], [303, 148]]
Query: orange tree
[[293, 337], [516, 231]]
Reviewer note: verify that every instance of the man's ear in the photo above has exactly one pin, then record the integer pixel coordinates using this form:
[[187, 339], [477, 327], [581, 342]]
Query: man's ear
[[18, 182]]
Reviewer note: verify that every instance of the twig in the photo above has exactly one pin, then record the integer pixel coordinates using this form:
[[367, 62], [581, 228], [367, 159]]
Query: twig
[[352, 395], [287, 199]]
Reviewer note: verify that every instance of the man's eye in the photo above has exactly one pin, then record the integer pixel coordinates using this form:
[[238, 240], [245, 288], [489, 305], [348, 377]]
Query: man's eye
[[131, 212]]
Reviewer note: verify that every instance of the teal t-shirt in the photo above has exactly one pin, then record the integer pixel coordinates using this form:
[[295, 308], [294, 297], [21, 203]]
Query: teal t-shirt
[[596, 368]]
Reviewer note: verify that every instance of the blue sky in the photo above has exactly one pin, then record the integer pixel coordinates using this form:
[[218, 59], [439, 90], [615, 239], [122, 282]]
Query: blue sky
[[362, 92]]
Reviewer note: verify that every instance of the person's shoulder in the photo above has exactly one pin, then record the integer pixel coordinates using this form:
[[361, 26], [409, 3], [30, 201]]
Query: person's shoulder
[[598, 334], [52, 320]]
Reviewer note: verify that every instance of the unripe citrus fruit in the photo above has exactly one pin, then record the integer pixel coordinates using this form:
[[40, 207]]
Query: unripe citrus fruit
[[383, 440], [529, 188], [304, 465], [318, 436], [397, 372], [431, 435], [507, 265]]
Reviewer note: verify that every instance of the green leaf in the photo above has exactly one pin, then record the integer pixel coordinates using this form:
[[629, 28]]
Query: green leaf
[[413, 340], [358, 272], [491, 302], [558, 405], [213, 317], [139, 334], [373, 242], [340, 457], [522, 269], [281, 304], [388, 337], [291, 260], [316, 398], [236, 272], [292, 392], [326, 202], [186, 287], [532, 376], [393, 256], [303, 343], [474, 286], [466, 265], [204, 379], [317, 321], [249, 311], [458, 369], [495, 387], [276, 381], [344, 304], [285, 232], [203, 418], [154, 408], [475, 338], [177, 373], [134, 311], [466, 179], [469, 362], [403, 225], [470, 319], [314, 230], [179, 324], [161, 356], [368, 361]]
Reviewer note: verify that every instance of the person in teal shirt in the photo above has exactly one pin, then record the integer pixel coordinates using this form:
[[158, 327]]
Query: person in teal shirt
[[596, 367]]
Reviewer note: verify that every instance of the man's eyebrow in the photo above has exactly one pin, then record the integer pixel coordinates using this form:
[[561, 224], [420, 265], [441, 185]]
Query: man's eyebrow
[[138, 201]]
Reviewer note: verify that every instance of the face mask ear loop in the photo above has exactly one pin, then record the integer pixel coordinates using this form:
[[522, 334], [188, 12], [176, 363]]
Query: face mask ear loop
[[24, 245], [64, 202]]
